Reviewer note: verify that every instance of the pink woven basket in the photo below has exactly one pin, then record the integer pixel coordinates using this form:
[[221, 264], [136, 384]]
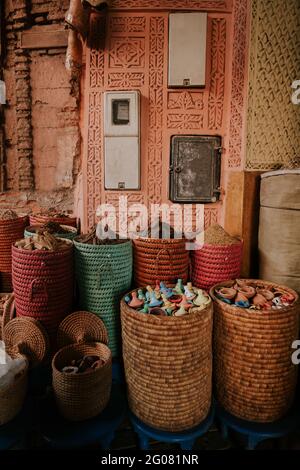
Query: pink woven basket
[[43, 285], [215, 263]]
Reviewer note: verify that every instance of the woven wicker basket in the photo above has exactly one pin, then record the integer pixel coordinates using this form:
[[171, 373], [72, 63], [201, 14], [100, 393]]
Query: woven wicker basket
[[4, 309], [215, 263], [168, 367], [163, 259], [70, 235], [82, 396], [39, 219], [22, 337], [253, 372], [44, 285], [10, 232], [103, 275]]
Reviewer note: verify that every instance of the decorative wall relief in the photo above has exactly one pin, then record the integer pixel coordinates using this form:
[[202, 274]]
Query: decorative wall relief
[[173, 4], [217, 74]]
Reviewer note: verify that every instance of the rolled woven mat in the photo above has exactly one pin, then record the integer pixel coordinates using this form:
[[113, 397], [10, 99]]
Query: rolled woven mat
[[164, 259], [10, 231], [254, 376], [168, 367], [103, 274]]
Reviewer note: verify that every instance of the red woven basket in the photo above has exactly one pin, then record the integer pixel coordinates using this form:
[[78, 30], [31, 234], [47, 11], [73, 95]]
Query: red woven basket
[[43, 285], [215, 263], [43, 219], [160, 259], [10, 232]]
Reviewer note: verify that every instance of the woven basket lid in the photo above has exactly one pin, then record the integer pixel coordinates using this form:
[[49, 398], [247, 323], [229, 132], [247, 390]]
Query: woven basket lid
[[9, 311], [26, 336], [81, 327]]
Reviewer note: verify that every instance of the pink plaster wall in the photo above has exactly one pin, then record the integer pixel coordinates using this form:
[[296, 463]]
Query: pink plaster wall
[[217, 109]]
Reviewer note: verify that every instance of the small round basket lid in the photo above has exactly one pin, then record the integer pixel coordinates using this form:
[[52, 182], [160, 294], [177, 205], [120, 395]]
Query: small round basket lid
[[9, 311], [26, 336], [81, 327]]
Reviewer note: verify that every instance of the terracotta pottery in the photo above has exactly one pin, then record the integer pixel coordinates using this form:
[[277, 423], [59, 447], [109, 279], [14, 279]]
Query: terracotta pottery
[[259, 300], [154, 302], [179, 288], [184, 303], [157, 311], [180, 312], [248, 291], [226, 293], [267, 294], [241, 300], [135, 302], [176, 299], [201, 299]]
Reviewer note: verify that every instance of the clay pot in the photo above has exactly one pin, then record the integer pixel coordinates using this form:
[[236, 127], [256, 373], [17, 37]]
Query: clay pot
[[176, 299], [184, 303], [158, 311], [248, 291], [226, 293], [259, 300], [135, 302], [267, 294], [241, 300]]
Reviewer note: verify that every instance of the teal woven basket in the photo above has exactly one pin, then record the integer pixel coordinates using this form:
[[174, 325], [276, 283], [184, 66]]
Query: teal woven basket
[[72, 232], [103, 275]]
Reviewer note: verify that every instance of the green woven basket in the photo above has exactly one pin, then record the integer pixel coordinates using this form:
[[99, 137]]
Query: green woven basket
[[72, 232], [103, 275]]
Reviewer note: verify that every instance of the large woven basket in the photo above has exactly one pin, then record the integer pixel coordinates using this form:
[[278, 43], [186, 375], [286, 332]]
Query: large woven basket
[[22, 337], [168, 367], [82, 396], [253, 372], [10, 232], [43, 285], [103, 275], [215, 263], [6, 300], [39, 219], [70, 235], [164, 259]]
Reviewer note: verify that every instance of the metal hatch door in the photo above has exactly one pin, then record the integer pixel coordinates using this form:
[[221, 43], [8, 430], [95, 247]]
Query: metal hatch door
[[195, 169]]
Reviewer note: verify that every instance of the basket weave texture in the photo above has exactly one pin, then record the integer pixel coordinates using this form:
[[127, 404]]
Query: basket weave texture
[[70, 235], [82, 396], [43, 219], [163, 259], [254, 376], [215, 263], [43, 285], [4, 309], [10, 232], [168, 367], [103, 275]]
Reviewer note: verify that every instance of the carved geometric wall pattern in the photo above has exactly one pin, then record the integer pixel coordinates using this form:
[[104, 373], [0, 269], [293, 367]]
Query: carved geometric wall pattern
[[273, 127], [127, 24], [217, 74], [127, 52], [126, 80], [185, 100], [173, 4], [238, 89]]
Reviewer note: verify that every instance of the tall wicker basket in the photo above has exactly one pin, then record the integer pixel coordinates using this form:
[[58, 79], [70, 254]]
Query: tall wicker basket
[[254, 376], [26, 337], [163, 259], [103, 275], [70, 232], [82, 396], [168, 367], [10, 232]]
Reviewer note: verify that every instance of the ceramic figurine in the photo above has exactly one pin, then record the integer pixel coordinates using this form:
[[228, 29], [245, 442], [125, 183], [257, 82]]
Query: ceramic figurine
[[135, 302], [184, 303], [241, 300], [149, 289], [147, 295], [141, 295], [259, 300], [167, 304], [127, 299], [168, 292], [145, 308], [201, 299], [154, 302], [179, 288], [180, 312], [189, 293]]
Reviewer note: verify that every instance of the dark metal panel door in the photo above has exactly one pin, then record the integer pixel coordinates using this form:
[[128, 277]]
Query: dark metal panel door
[[195, 169]]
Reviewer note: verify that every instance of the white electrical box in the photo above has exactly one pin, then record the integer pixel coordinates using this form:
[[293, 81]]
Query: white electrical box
[[187, 49], [122, 140]]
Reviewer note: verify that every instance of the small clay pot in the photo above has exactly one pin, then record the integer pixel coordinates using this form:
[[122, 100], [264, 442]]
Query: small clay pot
[[176, 299], [248, 291], [266, 293], [226, 292], [157, 311], [259, 300]]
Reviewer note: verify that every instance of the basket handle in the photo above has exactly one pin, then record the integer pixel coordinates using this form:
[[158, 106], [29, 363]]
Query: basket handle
[[163, 250], [105, 267], [32, 284]]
